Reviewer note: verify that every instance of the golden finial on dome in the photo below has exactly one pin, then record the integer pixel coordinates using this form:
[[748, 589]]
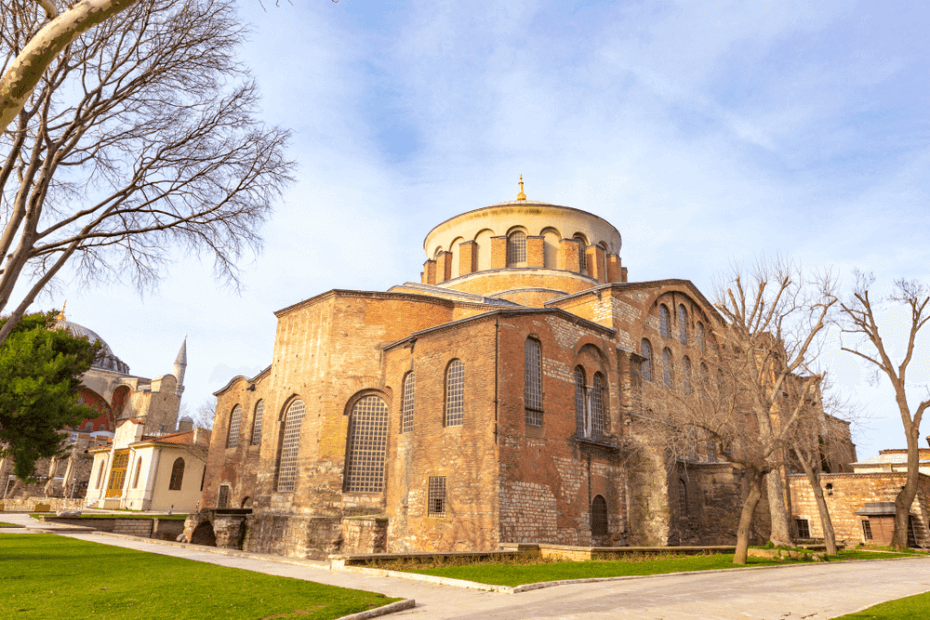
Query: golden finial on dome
[[61, 314], [521, 195]]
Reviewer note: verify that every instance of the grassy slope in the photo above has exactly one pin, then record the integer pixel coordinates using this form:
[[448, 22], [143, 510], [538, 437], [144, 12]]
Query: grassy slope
[[44, 576], [519, 574], [908, 608]]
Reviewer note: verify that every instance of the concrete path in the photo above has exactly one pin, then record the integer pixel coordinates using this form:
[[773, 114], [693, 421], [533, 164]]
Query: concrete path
[[810, 591]]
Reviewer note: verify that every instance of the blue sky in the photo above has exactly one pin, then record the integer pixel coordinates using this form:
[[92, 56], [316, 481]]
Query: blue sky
[[705, 132]]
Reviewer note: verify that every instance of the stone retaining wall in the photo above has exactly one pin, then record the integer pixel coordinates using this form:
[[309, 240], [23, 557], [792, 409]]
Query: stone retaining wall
[[163, 529]]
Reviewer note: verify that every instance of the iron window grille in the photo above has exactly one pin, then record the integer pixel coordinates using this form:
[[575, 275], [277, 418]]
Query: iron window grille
[[257, 424], [645, 349], [804, 530], [455, 394], [366, 446], [582, 257], [177, 475], [664, 322], [223, 501], [516, 248], [580, 401], [532, 387], [866, 529], [436, 497], [408, 405], [596, 416], [290, 446], [235, 420]]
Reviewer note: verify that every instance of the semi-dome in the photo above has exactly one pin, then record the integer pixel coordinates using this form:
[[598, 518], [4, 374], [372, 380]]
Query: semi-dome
[[106, 359]]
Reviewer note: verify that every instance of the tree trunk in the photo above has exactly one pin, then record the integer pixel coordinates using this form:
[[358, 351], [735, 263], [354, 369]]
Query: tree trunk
[[826, 523], [781, 532], [745, 517], [905, 498]]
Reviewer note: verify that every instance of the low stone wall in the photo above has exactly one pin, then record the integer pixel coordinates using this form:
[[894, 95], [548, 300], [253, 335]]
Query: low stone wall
[[293, 536], [163, 529], [374, 560], [29, 505], [364, 534]]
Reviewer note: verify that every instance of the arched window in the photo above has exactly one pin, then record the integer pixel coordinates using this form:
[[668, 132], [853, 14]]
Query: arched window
[[645, 349], [532, 382], [598, 410], [582, 249], [366, 446], [700, 336], [682, 498], [664, 322], [599, 516], [103, 467], [516, 248], [686, 375], [177, 475], [257, 424], [135, 478], [682, 324], [232, 439], [580, 401], [455, 393], [407, 405], [290, 446], [668, 371]]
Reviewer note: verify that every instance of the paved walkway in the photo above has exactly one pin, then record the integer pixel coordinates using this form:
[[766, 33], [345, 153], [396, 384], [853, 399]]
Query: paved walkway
[[810, 591]]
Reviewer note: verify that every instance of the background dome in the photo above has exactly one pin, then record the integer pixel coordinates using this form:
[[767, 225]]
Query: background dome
[[106, 360]]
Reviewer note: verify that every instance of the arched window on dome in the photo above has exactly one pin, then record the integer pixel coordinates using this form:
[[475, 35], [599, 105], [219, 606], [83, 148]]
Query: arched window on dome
[[582, 248], [664, 321], [516, 248], [682, 324], [668, 370], [177, 475], [645, 350]]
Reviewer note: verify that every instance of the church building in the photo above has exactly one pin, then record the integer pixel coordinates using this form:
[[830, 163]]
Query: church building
[[493, 401]]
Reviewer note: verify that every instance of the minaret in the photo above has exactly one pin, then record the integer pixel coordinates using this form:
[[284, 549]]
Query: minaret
[[180, 365]]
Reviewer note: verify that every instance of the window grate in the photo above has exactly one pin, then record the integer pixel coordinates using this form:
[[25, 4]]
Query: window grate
[[804, 530], [645, 349], [597, 406], [455, 393], [866, 529], [579, 401], [257, 424], [599, 516], [682, 324], [436, 497], [664, 322], [582, 257], [532, 387], [177, 475], [367, 443], [290, 446], [516, 248], [232, 439], [223, 501], [668, 371], [409, 400]]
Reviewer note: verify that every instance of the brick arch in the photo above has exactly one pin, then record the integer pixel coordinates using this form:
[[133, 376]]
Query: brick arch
[[692, 305], [385, 394], [588, 342], [287, 403]]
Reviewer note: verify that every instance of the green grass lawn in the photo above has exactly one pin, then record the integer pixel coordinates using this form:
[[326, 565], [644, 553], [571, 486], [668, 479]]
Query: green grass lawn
[[902, 609], [5, 524], [120, 516], [510, 574], [45, 576]]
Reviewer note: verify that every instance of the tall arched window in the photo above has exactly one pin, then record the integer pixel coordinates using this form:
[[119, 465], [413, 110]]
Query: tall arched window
[[407, 406], [664, 320], [645, 349], [580, 401], [366, 446], [516, 248], [532, 381], [135, 478], [257, 424], [668, 371], [582, 252], [598, 410], [599, 516], [455, 393], [290, 446], [686, 374], [700, 336], [682, 324], [232, 439], [103, 467], [177, 475]]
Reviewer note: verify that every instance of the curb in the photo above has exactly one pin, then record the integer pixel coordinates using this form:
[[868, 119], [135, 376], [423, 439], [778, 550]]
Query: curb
[[381, 611]]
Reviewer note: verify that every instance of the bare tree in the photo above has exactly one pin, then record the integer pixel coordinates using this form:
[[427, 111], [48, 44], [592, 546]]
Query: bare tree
[[204, 413], [140, 137], [754, 382], [868, 344]]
